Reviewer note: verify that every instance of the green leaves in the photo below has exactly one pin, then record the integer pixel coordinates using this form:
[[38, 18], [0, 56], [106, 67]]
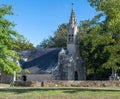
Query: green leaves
[[8, 60], [100, 36], [114, 58], [22, 43], [58, 40], [8, 56], [5, 10]]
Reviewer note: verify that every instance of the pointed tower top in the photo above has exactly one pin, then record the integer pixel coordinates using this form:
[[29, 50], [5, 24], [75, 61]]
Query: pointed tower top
[[72, 17], [72, 4]]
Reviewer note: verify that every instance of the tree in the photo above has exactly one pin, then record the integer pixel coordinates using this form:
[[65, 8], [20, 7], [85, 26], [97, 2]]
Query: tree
[[93, 56], [23, 44], [111, 12], [8, 36], [47, 43], [59, 38], [100, 36]]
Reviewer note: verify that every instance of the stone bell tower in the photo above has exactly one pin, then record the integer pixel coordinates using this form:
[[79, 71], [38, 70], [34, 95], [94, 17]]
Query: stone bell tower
[[70, 63], [72, 35], [73, 49]]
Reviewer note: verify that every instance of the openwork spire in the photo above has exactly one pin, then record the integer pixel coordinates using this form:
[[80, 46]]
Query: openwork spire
[[72, 17]]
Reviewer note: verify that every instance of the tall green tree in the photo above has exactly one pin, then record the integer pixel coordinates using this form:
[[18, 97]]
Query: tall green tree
[[101, 36], [111, 11], [94, 56], [59, 38], [8, 36], [60, 35]]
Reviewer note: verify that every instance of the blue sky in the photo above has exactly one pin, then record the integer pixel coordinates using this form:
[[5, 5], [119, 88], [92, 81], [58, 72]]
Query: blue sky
[[38, 19]]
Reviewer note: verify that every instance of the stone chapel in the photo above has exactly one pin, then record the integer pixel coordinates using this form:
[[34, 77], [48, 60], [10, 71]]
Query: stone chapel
[[55, 63], [70, 63]]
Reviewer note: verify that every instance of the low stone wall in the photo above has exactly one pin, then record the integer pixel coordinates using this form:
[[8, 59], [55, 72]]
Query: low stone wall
[[82, 83], [28, 83], [70, 84]]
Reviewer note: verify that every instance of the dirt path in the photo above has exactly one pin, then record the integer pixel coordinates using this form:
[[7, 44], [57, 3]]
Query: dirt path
[[2, 87]]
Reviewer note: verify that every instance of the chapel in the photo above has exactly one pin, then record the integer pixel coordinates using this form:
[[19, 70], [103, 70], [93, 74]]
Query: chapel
[[55, 63]]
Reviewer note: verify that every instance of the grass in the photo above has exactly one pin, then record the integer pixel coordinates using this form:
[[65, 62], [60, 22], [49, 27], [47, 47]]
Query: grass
[[4, 85], [59, 93]]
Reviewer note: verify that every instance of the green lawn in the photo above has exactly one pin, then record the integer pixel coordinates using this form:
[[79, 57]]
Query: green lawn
[[4, 85], [59, 93]]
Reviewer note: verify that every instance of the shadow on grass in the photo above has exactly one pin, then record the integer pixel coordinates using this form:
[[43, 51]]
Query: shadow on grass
[[65, 90], [76, 90]]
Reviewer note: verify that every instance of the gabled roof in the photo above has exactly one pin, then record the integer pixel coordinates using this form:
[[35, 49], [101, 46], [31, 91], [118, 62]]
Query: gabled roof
[[43, 62]]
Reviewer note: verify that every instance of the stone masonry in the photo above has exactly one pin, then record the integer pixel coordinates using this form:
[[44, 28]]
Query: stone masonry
[[70, 64]]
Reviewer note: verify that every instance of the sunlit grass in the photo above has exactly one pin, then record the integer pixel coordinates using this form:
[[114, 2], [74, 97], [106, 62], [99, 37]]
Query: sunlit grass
[[5, 85], [59, 93]]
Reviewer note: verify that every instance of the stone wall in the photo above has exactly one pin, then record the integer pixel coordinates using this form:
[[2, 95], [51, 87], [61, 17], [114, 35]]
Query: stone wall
[[5, 78], [39, 77], [70, 84], [36, 77]]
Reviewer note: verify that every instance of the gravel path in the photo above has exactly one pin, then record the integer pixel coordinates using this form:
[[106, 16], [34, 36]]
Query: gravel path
[[1, 87]]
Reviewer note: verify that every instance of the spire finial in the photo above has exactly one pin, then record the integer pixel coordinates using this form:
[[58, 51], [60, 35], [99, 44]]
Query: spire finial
[[72, 4], [72, 17]]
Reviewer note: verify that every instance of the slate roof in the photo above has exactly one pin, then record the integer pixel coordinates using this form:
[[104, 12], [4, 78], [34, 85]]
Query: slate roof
[[41, 61]]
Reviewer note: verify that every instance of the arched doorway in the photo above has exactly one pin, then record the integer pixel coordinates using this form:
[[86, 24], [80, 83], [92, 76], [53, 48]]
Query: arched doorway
[[24, 78], [76, 75]]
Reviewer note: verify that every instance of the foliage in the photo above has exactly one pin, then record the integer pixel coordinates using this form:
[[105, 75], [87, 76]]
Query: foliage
[[8, 36], [59, 38], [23, 44], [46, 43], [91, 50], [110, 30], [100, 36], [25, 71]]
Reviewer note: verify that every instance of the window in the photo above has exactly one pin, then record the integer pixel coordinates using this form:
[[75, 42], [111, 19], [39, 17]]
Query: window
[[70, 38]]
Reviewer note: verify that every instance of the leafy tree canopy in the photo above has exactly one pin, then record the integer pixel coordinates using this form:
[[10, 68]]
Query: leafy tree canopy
[[23, 44], [109, 32], [100, 37], [59, 38], [10, 41]]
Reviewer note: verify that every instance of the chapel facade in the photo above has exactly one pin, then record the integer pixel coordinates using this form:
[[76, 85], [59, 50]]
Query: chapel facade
[[70, 63]]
